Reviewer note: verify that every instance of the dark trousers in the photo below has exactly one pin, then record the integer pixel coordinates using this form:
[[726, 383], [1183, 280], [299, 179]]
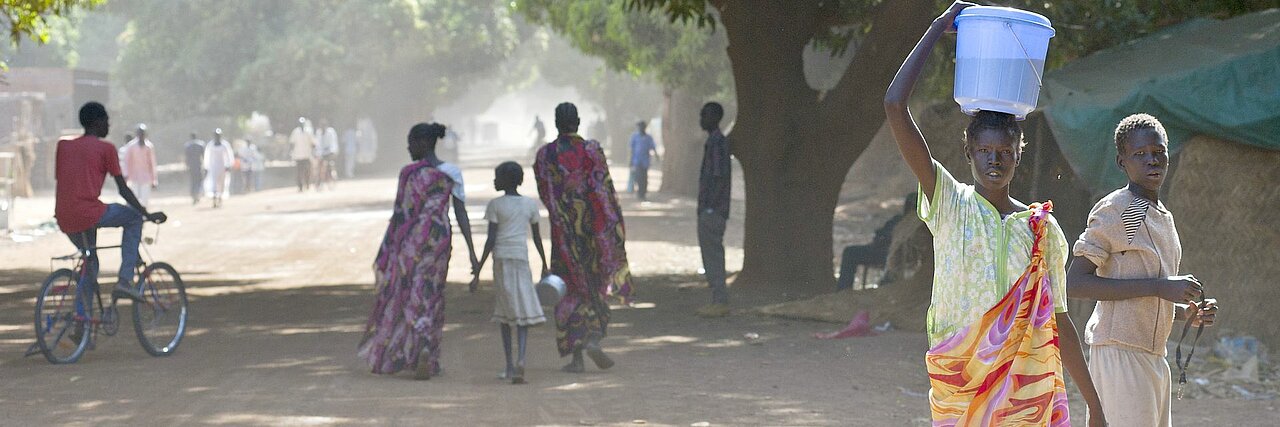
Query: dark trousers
[[853, 256], [304, 174], [711, 239], [196, 176], [640, 175]]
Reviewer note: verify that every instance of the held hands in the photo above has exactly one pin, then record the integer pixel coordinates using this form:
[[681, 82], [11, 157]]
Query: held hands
[[1205, 313], [475, 274], [948, 18]]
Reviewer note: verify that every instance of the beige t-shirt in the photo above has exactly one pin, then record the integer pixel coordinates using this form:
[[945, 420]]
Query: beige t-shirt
[[1128, 237], [513, 214]]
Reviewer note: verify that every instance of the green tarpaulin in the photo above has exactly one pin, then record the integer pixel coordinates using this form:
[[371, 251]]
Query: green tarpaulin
[[1217, 78]]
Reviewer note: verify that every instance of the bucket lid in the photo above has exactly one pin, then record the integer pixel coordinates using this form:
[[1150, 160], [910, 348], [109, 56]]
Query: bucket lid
[[1005, 13]]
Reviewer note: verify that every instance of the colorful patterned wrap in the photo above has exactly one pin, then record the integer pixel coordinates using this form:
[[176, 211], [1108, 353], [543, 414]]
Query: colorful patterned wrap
[[587, 236], [1004, 369], [408, 314]]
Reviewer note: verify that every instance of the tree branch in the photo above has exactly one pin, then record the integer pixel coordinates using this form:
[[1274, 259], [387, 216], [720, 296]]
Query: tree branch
[[895, 29]]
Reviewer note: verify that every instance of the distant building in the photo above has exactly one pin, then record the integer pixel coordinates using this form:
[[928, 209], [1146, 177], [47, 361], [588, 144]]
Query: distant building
[[64, 92], [37, 105]]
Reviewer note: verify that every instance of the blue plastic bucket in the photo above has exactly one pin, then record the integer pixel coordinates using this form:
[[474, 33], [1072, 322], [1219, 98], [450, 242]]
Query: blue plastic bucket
[[1000, 56]]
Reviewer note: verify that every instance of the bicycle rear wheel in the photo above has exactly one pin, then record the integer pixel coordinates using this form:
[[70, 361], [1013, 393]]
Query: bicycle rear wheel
[[160, 319], [61, 333]]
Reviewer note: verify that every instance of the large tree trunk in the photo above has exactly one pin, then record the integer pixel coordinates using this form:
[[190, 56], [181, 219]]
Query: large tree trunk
[[795, 144], [682, 142]]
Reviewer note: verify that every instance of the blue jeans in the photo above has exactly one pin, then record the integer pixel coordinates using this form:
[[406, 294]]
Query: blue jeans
[[117, 215], [639, 177]]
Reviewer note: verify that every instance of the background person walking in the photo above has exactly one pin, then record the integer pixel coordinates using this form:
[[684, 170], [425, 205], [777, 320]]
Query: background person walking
[[193, 154], [303, 143], [219, 157], [139, 161], [643, 152]]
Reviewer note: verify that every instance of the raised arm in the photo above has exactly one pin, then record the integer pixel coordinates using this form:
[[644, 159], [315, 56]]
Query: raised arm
[[910, 141]]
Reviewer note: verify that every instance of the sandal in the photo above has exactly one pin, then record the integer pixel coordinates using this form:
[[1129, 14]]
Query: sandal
[[597, 355], [423, 370], [517, 377]]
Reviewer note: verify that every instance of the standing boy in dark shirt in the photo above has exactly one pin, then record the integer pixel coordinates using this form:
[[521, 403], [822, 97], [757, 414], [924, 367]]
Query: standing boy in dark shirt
[[193, 154], [713, 208]]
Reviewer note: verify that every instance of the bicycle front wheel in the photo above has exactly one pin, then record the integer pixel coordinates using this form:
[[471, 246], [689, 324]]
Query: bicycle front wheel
[[61, 331], [160, 319]]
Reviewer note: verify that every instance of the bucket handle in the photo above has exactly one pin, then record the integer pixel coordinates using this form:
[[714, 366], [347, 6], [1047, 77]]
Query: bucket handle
[[1039, 83]]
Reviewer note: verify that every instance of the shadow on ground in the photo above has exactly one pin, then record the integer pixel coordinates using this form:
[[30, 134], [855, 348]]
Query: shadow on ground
[[287, 356]]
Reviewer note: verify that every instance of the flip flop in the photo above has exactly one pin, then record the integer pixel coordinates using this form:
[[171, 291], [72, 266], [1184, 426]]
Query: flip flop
[[518, 376], [573, 369], [423, 370], [597, 355]]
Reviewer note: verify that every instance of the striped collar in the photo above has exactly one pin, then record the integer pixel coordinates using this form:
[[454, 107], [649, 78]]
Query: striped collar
[[1135, 215]]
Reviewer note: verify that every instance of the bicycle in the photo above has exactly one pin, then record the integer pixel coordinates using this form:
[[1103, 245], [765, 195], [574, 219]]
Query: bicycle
[[327, 172], [69, 311]]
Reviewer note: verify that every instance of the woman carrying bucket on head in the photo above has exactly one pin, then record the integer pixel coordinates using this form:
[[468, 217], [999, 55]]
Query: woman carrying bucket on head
[[998, 339]]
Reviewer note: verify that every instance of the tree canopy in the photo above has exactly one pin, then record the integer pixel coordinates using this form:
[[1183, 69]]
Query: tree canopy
[[1083, 26], [295, 57], [37, 20], [644, 44]]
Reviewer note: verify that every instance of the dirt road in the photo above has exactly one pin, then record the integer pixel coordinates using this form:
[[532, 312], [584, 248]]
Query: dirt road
[[281, 284]]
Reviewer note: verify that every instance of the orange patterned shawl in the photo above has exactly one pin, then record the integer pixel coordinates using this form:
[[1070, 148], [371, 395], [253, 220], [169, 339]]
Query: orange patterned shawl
[[1005, 368]]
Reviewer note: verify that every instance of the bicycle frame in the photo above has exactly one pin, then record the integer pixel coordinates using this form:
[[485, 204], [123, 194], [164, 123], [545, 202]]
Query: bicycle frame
[[82, 316], [83, 282], [86, 284]]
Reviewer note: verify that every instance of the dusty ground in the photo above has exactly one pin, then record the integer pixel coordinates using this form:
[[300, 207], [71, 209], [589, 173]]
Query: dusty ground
[[281, 284]]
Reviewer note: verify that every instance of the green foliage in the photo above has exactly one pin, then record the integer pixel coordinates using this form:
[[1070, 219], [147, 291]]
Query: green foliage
[[41, 22], [1083, 26], [1086, 26], [306, 57], [675, 53], [837, 24], [30, 18]]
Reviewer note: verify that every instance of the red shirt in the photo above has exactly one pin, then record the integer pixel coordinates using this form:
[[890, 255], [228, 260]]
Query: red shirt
[[80, 166]]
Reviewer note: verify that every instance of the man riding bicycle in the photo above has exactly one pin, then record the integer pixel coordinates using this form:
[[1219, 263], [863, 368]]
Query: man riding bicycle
[[326, 154], [81, 166]]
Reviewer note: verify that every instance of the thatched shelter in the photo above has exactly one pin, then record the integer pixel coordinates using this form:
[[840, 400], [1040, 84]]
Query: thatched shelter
[[1224, 198]]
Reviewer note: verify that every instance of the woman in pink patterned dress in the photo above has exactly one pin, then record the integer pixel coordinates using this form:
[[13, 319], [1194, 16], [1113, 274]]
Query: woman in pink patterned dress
[[407, 321], [587, 239]]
